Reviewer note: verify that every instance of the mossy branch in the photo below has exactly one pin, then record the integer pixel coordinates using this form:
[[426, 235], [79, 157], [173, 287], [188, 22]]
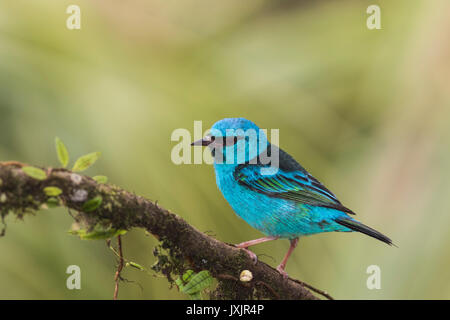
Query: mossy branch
[[123, 210]]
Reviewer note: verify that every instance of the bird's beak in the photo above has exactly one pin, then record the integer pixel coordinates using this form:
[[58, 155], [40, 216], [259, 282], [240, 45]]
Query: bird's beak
[[202, 142]]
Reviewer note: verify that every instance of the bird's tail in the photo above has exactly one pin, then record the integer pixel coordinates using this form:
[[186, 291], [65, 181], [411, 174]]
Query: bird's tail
[[358, 226]]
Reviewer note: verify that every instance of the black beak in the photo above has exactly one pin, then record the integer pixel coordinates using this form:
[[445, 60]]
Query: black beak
[[202, 142]]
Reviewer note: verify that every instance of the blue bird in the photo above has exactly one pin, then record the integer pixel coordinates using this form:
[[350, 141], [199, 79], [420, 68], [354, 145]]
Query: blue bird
[[271, 191]]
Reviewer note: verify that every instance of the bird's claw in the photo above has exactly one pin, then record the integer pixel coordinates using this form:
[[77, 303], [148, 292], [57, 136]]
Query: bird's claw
[[252, 255], [283, 273]]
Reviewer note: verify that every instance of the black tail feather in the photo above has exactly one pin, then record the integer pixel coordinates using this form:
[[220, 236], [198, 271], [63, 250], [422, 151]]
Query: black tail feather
[[358, 226]]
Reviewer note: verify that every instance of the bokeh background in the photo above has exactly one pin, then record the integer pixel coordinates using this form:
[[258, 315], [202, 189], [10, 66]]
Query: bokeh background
[[365, 111]]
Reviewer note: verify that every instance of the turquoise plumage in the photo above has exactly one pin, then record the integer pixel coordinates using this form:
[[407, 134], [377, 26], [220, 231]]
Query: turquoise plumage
[[277, 197]]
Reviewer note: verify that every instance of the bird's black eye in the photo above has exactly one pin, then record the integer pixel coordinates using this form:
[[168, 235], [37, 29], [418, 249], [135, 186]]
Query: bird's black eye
[[230, 141], [213, 138]]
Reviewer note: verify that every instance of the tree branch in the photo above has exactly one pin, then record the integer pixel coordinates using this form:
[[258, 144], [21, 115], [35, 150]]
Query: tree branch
[[120, 209]]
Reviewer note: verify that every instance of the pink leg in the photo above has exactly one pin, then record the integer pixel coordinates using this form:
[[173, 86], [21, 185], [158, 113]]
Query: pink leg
[[246, 244], [250, 243], [282, 265]]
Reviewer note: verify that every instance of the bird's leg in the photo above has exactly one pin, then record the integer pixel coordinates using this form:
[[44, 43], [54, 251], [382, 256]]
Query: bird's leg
[[246, 244], [250, 243], [282, 265]]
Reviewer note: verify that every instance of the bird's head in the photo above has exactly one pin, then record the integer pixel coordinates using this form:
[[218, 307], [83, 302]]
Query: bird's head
[[234, 141]]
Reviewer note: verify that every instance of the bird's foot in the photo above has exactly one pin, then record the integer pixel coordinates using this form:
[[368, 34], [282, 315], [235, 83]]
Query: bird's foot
[[252, 255], [283, 273]]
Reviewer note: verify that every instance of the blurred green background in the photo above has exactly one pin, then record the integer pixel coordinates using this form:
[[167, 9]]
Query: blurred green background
[[365, 111]]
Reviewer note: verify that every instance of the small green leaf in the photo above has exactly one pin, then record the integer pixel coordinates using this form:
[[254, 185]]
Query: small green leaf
[[181, 281], [98, 234], [187, 276], [198, 282], [35, 173], [86, 161], [92, 204], [61, 150], [135, 265], [101, 179], [52, 191]]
